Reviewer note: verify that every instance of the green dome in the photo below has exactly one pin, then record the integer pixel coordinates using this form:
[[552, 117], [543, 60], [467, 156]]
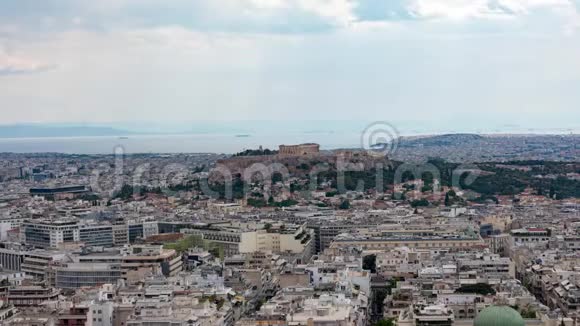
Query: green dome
[[499, 316]]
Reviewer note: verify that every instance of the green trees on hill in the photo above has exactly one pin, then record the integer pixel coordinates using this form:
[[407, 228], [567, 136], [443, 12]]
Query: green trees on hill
[[256, 152], [494, 179], [420, 203], [127, 191]]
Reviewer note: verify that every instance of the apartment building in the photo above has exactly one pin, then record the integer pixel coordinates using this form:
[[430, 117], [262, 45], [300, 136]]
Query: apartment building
[[135, 257], [295, 240], [488, 266], [8, 223], [531, 237], [77, 275], [327, 309], [96, 235], [31, 295], [426, 315], [34, 263], [379, 241], [49, 233]]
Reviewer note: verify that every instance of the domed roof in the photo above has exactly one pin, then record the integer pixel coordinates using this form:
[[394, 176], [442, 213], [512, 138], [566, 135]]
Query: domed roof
[[499, 316]]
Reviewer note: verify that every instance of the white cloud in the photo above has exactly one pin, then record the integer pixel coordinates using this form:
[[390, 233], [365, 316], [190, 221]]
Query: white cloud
[[450, 9], [469, 9], [339, 10], [335, 12], [523, 7], [11, 64]]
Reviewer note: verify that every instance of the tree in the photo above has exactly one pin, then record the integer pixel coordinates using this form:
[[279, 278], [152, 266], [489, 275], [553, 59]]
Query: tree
[[277, 177], [385, 322], [303, 166], [379, 296], [420, 203], [450, 197], [370, 263], [256, 152], [528, 313], [125, 193], [345, 204], [256, 202], [331, 193], [284, 203]]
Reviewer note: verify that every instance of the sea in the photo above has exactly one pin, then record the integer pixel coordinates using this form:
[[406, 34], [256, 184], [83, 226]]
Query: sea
[[235, 136], [196, 143], [182, 143]]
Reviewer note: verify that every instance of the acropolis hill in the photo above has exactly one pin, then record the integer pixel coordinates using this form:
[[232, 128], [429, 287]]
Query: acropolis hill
[[298, 159]]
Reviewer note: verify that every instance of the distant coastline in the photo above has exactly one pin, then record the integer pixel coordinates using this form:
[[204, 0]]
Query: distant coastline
[[227, 143], [257, 129]]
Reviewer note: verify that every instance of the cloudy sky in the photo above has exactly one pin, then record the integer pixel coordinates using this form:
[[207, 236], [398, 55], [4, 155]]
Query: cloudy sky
[[174, 60]]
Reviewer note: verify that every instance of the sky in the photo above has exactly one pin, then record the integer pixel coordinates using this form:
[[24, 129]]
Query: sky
[[174, 61]]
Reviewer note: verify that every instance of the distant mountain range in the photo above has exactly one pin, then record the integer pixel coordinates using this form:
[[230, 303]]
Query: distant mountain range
[[441, 140], [30, 131]]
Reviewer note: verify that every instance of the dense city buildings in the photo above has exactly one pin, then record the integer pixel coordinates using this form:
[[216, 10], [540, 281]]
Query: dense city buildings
[[290, 163], [363, 240]]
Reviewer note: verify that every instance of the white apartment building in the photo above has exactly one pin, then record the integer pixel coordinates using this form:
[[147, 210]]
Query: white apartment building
[[488, 266], [102, 313], [327, 310], [265, 240], [295, 240], [49, 233], [426, 315], [7, 224], [150, 228]]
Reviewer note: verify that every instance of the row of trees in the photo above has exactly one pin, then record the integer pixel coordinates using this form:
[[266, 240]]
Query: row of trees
[[497, 180]]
